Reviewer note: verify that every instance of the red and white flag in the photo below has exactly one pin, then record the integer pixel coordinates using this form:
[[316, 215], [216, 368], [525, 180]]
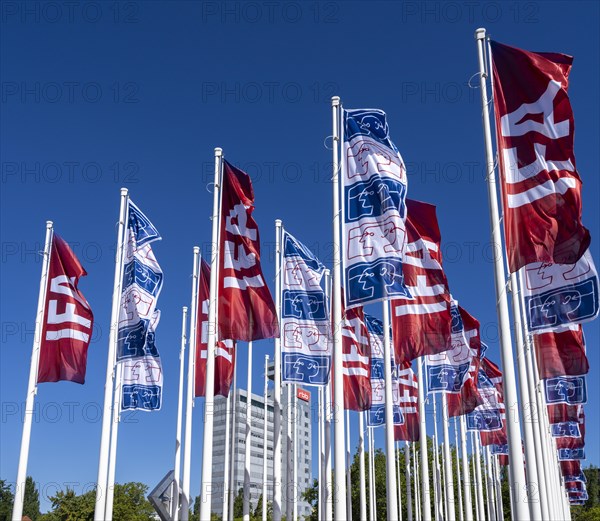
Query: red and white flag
[[246, 308], [574, 442], [422, 324], [225, 349], [561, 352], [408, 392], [68, 319], [541, 188]]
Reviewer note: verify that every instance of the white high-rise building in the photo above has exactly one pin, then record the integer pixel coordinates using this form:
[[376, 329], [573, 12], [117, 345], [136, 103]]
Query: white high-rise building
[[300, 422]]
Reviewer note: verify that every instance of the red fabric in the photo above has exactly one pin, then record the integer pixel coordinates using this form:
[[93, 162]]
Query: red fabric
[[574, 443], [561, 412], [561, 353], [246, 308], [408, 392], [549, 228], [503, 460], [498, 437], [570, 467], [225, 351], [67, 315], [421, 324]]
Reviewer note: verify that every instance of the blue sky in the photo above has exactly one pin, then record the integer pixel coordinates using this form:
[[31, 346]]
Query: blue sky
[[96, 96]]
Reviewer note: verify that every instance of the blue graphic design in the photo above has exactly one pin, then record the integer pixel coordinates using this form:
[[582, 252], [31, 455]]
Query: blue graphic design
[[457, 323], [292, 247], [143, 229], [446, 377], [376, 416], [563, 306], [499, 449], [306, 369], [377, 369], [484, 381], [304, 305], [565, 430], [571, 390], [145, 277], [136, 341], [374, 198], [368, 281], [144, 397], [374, 325], [367, 122], [398, 416], [571, 454], [484, 421]]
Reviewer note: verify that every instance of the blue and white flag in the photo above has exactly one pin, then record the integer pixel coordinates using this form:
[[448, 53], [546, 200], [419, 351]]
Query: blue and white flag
[[499, 449], [571, 454], [306, 334], [376, 414], [571, 390], [565, 430], [490, 415], [142, 377], [374, 188]]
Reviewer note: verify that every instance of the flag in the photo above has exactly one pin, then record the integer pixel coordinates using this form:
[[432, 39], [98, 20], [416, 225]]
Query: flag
[[408, 396], [225, 349], [246, 308], [571, 454], [560, 294], [421, 321], [570, 390], [373, 210], [499, 449], [356, 360], [561, 412], [575, 433], [541, 189], [142, 376], [561, 352], [570, 469], [68, 319], [306, 346], [376, 415]]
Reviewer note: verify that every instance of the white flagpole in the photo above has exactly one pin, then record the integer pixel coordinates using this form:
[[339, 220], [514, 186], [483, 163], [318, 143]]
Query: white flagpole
[[491, 488], [348, 471], [177, 468], [437, 492], [479, 479], [461, 513], [277, 454], [17, 512], [398, 478], [265, 442], [520, 508], [408, 475], [102, 485], [248, 436], [226, 446], [361, 466], [426, 493], [338, 387], [498, 486], [392, 485], [232, 462], [418, 504], [372, 485], [289, 473], [205, 503], [450, 502], [112, 458], [189, 399], [476, 484], [486, 488], [321, 452], [466, 475], [328, 416], [295, 454]]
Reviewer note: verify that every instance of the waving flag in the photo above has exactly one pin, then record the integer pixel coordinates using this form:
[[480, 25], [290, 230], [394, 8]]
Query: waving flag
[[374, 191], [561, 412], [408, 397], [246, 308], [68, 319], [224, 352], [541, 188], [306, 341], [142, 377], [561, 352], [570, 435], [571, 390]]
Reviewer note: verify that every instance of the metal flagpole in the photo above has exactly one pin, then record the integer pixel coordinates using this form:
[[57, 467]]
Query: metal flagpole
[[321, 471], [426, 493], [177, 471], [248, 438], [189, 401], [498, 486], [338, 387], [461, 514], [289, 473], [328, 415], [295, 454], [437, 492], [232, 463], [416, 482], [520, 508], [348, 471], [485, 486], [265, 442], [399, 479], [450, 502], [491, 488], [112, 457], [392, 486], [372, 484], [475, 482], [205, 503], [101, 489], [479, 478], [361, 466], [19, 499], [466, 477], [226, 445], [277, 454], [408, 476]]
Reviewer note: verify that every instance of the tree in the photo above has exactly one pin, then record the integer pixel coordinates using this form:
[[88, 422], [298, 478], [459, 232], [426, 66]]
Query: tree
[[238, 504], [31, 501], [68, 506], [6, 501]]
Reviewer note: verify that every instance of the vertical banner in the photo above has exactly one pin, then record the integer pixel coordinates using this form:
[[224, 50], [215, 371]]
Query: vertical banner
[[306, 345], [408, 399], [374, 188], [142, 378]]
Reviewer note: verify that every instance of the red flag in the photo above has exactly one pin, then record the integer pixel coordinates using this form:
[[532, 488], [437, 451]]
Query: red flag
[[569, 442], [497, 437], [246, 308], [421, 324], [541, 188], [570, 468], [561, 352], [408, 391], [224, 352], [503, 460], [561, 412], [68, 319]]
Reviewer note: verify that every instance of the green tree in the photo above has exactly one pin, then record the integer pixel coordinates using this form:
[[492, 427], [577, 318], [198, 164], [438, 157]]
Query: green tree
[[6, 501], [195, 511], [311, 496], [31, 501], [68, 506], [238, 504]]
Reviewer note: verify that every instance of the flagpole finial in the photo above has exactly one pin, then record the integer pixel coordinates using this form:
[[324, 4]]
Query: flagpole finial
[[196, 249], [218, 152], [185, 309], [278, 223], [335, 101], [124, 191], [49, 225], [480, 33]]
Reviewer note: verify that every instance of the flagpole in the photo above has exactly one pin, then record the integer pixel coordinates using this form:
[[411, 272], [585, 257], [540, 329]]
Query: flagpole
[[361, 467], [338, 386], [498, 486], [205, 503], [416, 481], [465, 471], [230, 482], [437, 493], [520, 508], [265, 442], [226, 445], [328, 414], [491, 488], [321, 473], [476, 484], [248, 441], [450, 502], [408, 475], [348, 472], [289, 473], [19, 499], [426, 493], [177, 468], [295, 454], [277, 454], [485, 486], [189, 400], [478, 476], [461, 514], [372, 490], [392, 485], [103, 462], [112, 458], [398, 478]]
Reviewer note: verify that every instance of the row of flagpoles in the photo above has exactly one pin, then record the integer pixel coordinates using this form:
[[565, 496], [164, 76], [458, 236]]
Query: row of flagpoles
[[387, 251]]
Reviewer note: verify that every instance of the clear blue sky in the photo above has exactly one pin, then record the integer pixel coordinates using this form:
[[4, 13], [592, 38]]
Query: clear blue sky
[[102, 95]]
